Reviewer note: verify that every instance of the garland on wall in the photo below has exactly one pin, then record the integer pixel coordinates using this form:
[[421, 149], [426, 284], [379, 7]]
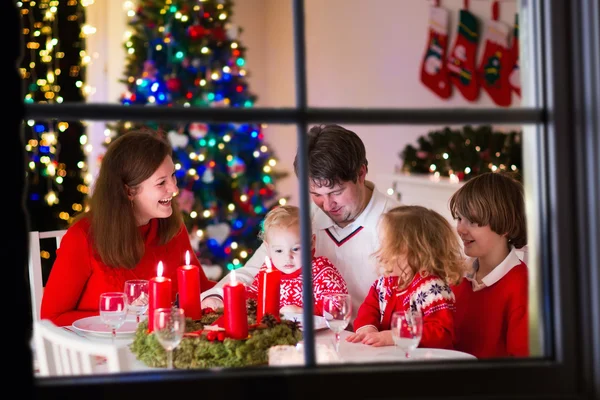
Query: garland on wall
[[463, 153]]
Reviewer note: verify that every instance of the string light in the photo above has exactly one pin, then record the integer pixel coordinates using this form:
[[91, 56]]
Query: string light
[[45, 73]]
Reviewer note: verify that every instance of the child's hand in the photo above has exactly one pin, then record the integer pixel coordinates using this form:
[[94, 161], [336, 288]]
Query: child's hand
[[360, 336], [290, 309], [378, 339]]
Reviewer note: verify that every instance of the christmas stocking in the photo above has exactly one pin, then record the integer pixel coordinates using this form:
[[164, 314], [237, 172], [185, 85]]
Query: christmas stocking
[[434, 74], [514, 79], [461, 62], [495, 65]]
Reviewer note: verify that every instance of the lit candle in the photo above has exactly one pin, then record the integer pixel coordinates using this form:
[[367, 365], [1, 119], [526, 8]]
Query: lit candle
[[188, 284], [159, 293], [234, 309], [269, 284]]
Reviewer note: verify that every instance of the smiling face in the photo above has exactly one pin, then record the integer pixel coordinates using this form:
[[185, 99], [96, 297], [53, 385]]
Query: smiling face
[[152, 198], [479, 241], [284, 248], [343, 202]]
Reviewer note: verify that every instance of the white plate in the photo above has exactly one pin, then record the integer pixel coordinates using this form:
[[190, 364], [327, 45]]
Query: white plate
[[95, 327], [319, 322]]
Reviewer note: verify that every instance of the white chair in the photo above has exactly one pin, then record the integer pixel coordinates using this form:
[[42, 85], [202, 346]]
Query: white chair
[[36, 283], [60, 352]]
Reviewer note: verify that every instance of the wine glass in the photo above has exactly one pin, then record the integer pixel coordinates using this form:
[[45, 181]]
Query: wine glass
[[136, 294], [169, 327], [337, 310], [407, 329], [113, 311]]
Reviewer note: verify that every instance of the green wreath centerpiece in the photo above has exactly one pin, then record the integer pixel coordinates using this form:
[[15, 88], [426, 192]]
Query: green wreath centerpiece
[[207, 348]]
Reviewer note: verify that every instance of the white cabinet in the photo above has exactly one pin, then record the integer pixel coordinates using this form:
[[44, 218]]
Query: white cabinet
[[423, 190]]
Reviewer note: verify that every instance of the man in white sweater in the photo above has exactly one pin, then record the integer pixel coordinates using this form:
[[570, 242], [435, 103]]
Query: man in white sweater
[[344, 217]]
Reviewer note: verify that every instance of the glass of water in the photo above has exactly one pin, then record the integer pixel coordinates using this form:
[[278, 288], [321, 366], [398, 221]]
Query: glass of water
[[337, 310], [407, 329], [169, 327], [113, 311], [136, 292]]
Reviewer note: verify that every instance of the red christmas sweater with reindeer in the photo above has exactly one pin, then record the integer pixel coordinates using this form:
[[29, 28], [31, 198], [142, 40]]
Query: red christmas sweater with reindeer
[[326, 280], [430, 295]]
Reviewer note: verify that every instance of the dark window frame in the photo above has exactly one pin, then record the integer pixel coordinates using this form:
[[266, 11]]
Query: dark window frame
[[568, 214]]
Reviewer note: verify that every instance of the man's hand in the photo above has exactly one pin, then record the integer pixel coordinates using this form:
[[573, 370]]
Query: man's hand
[[212, 302]]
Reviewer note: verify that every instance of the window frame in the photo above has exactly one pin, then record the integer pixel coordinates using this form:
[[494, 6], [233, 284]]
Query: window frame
[[567, 211]]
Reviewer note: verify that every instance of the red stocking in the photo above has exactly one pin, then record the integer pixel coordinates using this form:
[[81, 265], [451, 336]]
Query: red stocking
[[461, 62], [495, 65], [434, 74], [514, 79]]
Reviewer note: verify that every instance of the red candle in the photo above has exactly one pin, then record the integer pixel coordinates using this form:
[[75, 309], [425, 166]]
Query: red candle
[[159, 294], [234, 309], [269, 284], [188, 284]]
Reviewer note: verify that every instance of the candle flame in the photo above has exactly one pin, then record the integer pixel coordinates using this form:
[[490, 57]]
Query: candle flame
[[233, 276], [159, 269], [187, 257], [269, 265]]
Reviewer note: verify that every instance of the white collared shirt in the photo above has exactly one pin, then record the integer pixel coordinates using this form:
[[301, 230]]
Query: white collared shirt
[[351, 248], [511, 261]]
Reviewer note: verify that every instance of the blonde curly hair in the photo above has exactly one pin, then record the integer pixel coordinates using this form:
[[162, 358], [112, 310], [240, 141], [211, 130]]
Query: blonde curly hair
[[427, 241]]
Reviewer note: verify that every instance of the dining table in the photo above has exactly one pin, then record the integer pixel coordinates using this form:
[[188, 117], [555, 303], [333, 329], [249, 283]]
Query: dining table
[[348, 353]]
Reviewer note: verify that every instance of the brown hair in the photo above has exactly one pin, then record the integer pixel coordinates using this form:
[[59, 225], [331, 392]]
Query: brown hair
[[281, 217], [335, 155], [129, 160], [425, 238], [495, 199]]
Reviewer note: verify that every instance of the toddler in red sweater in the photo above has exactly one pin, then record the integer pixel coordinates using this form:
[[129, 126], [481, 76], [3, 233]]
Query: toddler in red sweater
[[491, 304], [420, 256], [281, 234]]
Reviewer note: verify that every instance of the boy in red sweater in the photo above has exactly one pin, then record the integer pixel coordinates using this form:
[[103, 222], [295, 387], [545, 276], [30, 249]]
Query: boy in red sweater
[[491, 304], [281, 234]]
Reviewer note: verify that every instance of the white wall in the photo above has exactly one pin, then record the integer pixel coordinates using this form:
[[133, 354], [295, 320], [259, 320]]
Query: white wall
[[362, 54], [359, 54]]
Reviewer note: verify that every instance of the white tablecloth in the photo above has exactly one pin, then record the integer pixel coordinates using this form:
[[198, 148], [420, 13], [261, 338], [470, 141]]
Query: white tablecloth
[[349, 352]]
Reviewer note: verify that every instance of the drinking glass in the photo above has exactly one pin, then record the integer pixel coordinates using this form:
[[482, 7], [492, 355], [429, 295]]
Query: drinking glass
[[113, 311], [169, 327], [136, 294], [337, 310], [407, 329]]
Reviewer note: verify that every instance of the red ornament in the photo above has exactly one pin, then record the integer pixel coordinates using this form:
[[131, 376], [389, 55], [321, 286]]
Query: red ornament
[[196, 32], [173, 84], [219, 34]]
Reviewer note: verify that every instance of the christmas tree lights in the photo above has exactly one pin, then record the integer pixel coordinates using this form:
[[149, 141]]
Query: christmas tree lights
[[53, 68], [187, 53]]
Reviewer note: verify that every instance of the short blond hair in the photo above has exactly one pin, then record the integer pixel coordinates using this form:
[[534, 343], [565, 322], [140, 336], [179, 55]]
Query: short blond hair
[[280, 217], [425, 238]]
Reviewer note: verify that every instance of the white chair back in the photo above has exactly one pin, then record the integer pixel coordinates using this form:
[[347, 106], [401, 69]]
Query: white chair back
[[36, 283], [60, 352]]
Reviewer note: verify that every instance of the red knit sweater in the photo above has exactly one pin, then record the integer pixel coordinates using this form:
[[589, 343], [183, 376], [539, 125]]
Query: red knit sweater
[[77, 277], [493, 322], [326, 280], [430, 295]]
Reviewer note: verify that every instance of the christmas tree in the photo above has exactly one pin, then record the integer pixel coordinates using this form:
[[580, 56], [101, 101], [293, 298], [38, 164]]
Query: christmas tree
[[464, 153], [187, 53], [53, 70]]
